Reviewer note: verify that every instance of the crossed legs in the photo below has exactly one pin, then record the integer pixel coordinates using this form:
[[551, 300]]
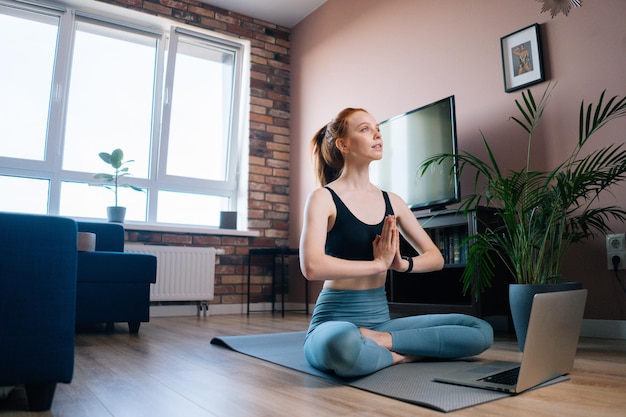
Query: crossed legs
[[347, 350]]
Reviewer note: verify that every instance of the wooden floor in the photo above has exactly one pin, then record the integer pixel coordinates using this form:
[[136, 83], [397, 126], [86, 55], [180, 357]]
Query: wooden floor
[[171, 370]]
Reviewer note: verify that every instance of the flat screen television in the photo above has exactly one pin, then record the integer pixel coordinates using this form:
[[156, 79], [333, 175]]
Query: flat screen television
[[408, 140]]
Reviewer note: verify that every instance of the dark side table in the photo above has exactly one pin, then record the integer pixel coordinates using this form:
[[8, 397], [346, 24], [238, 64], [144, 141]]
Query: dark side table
[[280, 254]]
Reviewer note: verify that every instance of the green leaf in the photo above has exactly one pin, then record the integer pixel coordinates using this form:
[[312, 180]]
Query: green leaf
[[117, 157], [542, 212], [103, 176], [105, 157]]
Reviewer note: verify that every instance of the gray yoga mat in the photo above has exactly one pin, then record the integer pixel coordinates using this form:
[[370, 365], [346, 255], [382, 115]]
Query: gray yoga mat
[[411, 382]]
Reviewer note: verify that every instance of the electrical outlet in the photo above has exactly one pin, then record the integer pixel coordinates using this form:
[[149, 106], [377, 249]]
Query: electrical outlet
[[616, 246]]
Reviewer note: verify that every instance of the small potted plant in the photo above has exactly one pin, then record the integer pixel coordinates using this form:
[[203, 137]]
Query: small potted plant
[[541, 212], [115, 159]]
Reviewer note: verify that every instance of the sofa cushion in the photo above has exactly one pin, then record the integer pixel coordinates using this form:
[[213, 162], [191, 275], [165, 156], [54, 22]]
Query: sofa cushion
[[121, 267], [109, 236]]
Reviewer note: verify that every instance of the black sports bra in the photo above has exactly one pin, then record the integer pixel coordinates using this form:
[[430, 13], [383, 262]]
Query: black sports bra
[[350, 238]]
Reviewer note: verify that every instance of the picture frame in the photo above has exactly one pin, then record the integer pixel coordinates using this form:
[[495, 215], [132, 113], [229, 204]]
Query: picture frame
[[522, 61]]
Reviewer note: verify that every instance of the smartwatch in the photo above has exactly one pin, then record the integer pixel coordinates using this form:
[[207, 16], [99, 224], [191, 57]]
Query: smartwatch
[[410, 259]]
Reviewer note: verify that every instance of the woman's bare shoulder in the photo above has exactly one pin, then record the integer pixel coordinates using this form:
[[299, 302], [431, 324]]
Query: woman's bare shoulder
[[319, 197], [398, 203]]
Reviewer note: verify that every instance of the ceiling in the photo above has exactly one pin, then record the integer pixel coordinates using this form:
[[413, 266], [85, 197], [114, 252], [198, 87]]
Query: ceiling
[[285, 13]]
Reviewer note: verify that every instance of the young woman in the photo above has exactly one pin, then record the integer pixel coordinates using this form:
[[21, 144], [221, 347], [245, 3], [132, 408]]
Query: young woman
[[349, 240]]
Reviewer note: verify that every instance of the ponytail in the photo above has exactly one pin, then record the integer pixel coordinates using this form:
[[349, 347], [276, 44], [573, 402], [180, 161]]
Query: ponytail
[[327, 158]]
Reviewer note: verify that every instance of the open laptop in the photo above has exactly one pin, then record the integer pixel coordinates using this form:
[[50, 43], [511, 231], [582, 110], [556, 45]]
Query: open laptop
[[549, 351]]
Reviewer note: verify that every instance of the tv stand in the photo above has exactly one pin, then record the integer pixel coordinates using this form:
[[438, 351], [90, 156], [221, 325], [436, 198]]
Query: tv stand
[[442, 291], [429, 210]]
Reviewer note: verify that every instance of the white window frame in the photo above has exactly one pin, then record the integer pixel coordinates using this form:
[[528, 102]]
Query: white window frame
[[235, 187]]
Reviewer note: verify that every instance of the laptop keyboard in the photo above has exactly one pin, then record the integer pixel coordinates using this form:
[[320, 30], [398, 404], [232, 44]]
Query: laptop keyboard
[[505, 378]]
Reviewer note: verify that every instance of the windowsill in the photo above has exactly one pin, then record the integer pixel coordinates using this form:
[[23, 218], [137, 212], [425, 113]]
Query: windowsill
[[177, 228], [189, 229]]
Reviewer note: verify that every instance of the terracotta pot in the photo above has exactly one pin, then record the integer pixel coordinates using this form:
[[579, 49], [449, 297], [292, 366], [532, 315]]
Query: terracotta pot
[[521, 300]]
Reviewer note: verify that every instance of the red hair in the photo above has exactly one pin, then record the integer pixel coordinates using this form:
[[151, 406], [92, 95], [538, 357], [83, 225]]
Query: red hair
[[327, 158]]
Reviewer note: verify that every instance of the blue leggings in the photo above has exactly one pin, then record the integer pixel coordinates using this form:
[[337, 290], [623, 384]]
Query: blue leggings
[[334, 342]]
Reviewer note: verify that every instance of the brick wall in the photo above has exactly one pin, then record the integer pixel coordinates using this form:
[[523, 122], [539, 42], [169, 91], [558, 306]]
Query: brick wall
[[268, 197]]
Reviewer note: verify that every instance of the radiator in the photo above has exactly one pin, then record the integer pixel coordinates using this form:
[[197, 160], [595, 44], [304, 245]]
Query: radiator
[[183, 273]]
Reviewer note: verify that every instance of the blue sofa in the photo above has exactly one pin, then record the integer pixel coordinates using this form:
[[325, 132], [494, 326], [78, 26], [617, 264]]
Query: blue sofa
[[113, 286], [38, 261]]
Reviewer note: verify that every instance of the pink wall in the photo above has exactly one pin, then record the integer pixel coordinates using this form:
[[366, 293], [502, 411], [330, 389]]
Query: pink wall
[[393, 56]]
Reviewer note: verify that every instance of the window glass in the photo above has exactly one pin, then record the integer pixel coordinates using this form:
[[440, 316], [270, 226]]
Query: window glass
[[84, 200], [200, 110], [28, 195], [110, 97], [186, 208], [29, 44]]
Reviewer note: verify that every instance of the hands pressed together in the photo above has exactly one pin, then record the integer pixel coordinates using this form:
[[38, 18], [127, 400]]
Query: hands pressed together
[[387, 244]]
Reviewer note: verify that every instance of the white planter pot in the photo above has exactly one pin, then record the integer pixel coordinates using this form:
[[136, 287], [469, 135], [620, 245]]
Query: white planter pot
[[116, 214]]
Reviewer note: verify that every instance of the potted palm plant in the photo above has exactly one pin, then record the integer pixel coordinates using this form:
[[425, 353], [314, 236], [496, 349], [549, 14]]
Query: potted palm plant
[[115, 159], [541, 213]]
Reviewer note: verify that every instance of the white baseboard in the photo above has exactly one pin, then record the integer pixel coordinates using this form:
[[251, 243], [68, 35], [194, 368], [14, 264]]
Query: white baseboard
[[173, 310], [606, 329], [220, 309]]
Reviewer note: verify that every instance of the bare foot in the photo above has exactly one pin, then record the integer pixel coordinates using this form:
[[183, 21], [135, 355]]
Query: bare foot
[[381, 338], [384, 339], [398, 358]]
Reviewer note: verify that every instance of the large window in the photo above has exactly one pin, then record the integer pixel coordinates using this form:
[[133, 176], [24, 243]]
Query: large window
[[80, 83]]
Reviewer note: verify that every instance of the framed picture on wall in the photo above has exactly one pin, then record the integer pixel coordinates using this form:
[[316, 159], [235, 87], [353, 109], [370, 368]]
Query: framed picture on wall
[[521, 58]]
